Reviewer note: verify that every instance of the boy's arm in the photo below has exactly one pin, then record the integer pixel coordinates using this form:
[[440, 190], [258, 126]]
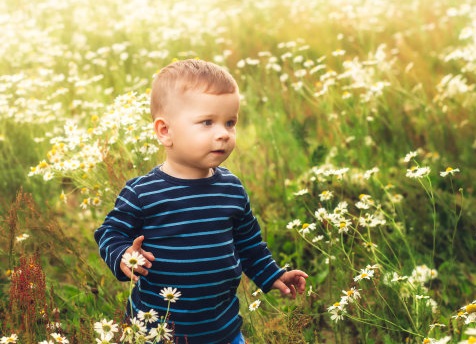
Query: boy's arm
[[119, 230], [259, 265], [256, 259]]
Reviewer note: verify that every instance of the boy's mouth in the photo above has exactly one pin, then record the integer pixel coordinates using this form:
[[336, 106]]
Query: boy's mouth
[[218, 151]]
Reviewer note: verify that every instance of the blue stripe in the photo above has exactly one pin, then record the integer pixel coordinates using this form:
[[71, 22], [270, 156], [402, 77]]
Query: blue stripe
[[257, 234], [155, 192], [188, 261], [199, 298], [247, 225], [264, 269], [177, 310], [150, 182], [108, 231], [115, 219], [183, 210], [195, 273], [229, 184], [218, 231], [260, 260], [208, 320], [249, 247], [186, 248], [126, 201], [271, 277], [191, 197], [173, 224], [192, 286], [137, 181]]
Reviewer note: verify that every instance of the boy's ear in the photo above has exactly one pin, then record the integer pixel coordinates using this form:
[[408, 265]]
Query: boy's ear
[[161, 128]]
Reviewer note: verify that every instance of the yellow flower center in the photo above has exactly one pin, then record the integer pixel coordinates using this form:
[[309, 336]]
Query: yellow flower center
[[449, 169], [471, 308]]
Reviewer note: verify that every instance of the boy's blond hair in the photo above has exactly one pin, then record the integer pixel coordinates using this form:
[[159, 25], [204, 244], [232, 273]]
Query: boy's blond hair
[[192, 74]]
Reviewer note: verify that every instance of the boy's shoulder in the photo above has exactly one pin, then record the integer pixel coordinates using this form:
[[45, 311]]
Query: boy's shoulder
[[226, 174], [143, 180]]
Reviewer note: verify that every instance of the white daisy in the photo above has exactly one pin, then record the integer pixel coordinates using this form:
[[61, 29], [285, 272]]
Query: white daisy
[[12, 339], [449, 171], [105, 327], [133, 260], [170, 294], [160, 332], [149, 317], [364, 274], [254, 305], [105, 338], [59, 338]]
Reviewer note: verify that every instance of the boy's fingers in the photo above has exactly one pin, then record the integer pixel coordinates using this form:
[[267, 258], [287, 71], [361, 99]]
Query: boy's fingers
[[293, 291], [300, 273], [141, 271], [148, 255], [282, 287], [137, 243], [301, 285], [126, 270]]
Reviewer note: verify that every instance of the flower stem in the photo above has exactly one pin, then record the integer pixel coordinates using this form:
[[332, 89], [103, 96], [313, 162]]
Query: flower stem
[[131, 284]]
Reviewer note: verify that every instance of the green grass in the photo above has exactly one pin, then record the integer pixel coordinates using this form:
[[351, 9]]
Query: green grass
[[326, 85]]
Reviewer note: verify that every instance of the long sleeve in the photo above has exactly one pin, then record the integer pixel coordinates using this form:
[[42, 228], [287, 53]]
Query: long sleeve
[[255, 256], [119, 230]]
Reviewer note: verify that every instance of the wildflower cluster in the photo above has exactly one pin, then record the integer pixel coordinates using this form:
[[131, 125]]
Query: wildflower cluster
[[295, 69], [145, 328], [363, 85], [350, 296], [81, 153], [28, 300], [340, 218], [467, 313], [349, 229]]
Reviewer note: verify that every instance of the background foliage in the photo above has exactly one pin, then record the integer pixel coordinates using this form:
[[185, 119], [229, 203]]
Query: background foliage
[[335, 95]]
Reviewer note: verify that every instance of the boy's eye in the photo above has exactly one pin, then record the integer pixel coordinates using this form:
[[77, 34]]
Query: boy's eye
[[207, 122], [230, 124]]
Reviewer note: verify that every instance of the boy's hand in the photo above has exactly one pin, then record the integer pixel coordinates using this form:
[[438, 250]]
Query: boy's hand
[[291, 282], [142, 270]]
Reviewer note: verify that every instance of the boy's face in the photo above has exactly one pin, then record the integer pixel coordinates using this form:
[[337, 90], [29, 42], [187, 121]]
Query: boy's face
[[201, 132]]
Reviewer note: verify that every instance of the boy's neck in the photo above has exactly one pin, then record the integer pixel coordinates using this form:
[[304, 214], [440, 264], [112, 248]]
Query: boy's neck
[[182, 173]]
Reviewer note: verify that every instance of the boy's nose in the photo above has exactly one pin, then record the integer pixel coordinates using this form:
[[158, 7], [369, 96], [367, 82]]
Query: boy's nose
[[222, 133]]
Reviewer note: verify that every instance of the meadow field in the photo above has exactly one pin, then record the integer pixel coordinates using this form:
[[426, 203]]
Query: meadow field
[[356, 143]]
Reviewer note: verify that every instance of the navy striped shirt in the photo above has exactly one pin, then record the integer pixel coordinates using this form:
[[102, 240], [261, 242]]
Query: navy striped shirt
[[203, 235]]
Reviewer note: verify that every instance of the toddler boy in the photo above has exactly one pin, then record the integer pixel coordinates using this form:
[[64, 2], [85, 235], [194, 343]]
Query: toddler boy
[[191, 218]]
